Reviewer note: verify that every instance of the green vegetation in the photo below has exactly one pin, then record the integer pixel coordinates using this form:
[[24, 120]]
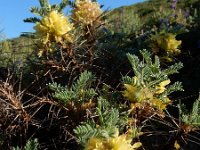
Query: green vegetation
[[191, 118], [15, 51], [30, 145], [143, 16]]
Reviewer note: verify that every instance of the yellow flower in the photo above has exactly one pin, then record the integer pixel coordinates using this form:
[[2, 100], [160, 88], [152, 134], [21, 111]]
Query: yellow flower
[[161, 87], [95, 144], [113, 143], [133, 106], [87, 105], [136, 145], [171, 44], [129, 92], [136, 94], [159, 104], [133, 132], [176, 145], [54, 27], [86, 12], [121, 143], [166, 42], [40, 52]]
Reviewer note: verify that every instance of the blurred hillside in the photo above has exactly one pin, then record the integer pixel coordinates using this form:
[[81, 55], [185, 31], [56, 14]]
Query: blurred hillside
[[15, 50], [129, 19]]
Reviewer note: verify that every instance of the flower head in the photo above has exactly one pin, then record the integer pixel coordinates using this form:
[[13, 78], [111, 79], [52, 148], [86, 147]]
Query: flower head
[[95, 144], [129, 92], [114, 143], [159, 104], [121, 143], [54, 27], [171, 44], [136, 94], [161, 86], [86, 12], [174, 4], [166, 43]]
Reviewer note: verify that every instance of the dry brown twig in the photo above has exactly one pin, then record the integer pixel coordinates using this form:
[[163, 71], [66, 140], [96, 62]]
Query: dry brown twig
[[12, 110]]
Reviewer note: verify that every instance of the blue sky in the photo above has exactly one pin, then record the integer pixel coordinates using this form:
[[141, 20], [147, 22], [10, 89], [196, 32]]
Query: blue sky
[[12, 13]]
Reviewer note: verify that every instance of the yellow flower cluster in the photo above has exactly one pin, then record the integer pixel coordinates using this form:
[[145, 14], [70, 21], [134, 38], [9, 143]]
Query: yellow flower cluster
[[115, 143], [120, 142], [86, 12], [166, 42], [54, 27], [159, 104], [137, 95], [95, 144]]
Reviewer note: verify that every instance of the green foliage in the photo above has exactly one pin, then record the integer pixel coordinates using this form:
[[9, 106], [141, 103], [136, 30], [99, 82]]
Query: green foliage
[[106, 126], [85, 131], [6, 54], [30, 145], [193, 117], [196, 16], [173, 69], [149, 87], [79, 92], [46, 7], [123, 23], [177, 86], [14, 51], [108, 116], [149, 73], [150, 13], [32, 20]]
